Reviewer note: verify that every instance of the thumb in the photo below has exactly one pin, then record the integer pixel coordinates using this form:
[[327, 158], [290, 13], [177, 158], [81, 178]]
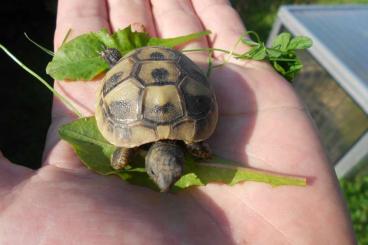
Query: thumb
[[11, 174]]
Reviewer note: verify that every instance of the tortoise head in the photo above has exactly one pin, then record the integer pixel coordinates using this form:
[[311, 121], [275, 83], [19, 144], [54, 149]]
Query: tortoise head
[[111, 56], [164, 163]]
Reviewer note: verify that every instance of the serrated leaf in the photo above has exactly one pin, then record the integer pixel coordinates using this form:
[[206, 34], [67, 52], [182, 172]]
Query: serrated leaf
[[128, 40], [175, 41], [300, 42], [79, 59], [95, 152], [90, 146], [281, 42]]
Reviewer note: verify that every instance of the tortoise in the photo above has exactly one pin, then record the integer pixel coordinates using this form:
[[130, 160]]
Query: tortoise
[[156, 97]]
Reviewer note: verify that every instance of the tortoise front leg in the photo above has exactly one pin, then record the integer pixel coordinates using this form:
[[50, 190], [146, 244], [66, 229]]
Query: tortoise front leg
[[111, 56], [120, 157], [200, 150]]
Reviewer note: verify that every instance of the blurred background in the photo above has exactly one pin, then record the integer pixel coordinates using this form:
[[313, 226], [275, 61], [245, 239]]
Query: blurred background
[[339, 113]]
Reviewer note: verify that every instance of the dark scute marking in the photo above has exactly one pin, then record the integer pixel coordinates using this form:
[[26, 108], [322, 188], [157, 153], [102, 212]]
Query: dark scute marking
[[157, 56], [160, 75], [112, 82], [198, 76], [198, 105], [200, 126], [120, 109], [192, 69], [162, 114], [163, 109]]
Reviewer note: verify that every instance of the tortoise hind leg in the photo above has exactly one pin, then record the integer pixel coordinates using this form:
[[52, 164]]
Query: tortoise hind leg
[[200, 150], [120, 157]]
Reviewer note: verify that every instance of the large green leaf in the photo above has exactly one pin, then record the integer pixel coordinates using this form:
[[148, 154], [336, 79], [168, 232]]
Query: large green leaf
[[89, 144], [95, 152], [80, 59]]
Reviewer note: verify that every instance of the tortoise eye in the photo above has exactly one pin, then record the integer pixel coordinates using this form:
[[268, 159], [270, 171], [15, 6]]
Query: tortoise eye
[[151, 172]]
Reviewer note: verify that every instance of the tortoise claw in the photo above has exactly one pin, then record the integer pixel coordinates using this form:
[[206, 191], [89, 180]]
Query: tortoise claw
[[200, 150]]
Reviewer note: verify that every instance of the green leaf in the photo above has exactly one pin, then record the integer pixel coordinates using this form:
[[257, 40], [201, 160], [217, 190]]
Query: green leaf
[[175, 41], [224, 171], [295, 68], [273, 53], [95, 152], [128, 40], [300, 42], [79, 59], [90, 146], [279, 68], [281, 42], [258, 52]]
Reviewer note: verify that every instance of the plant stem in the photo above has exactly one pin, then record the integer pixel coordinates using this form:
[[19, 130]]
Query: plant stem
[[282, 59], [49, 52], [66, 36], [210, 49], [62, 98], [254, 34], [210, 64]]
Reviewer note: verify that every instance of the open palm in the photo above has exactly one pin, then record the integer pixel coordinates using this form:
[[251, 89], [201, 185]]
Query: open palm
[[262, 124]]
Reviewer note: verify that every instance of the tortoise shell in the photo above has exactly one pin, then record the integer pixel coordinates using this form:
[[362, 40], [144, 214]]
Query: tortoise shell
[[152, 94]]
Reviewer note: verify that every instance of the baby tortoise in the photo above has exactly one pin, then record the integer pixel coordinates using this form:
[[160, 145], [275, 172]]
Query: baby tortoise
[[157, 97]]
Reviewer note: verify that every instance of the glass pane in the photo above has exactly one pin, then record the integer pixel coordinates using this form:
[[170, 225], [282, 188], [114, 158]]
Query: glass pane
[[340, 120]]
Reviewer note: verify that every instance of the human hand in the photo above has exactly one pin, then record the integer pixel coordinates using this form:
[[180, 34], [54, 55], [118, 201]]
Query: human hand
[[262, 123]]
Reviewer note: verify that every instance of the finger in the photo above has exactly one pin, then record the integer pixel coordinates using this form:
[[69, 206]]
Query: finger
[[126, 12], [224, 23], [82, 95], [11, 174], [176, 18], [80, 18]]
